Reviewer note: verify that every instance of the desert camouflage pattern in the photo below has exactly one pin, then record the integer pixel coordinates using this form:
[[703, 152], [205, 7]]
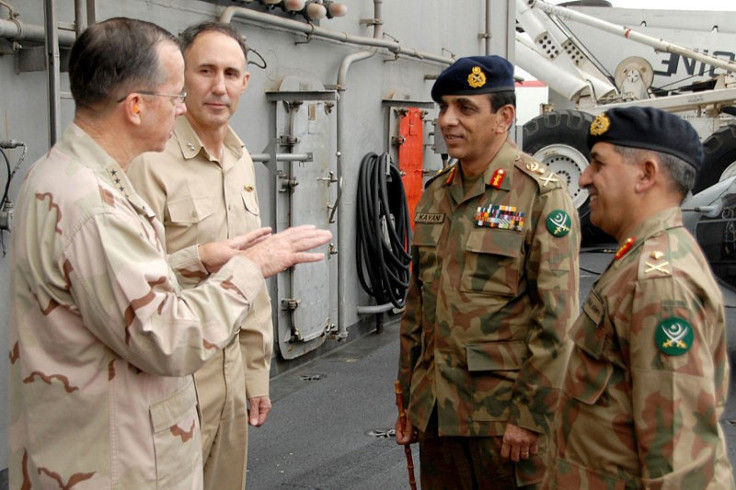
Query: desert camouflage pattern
[[103, 340], [201, 199], [483, 337], [640, 410]]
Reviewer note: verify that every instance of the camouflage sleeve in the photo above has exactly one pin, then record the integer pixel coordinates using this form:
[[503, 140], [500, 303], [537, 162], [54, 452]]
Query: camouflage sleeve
[[129, 298], [411, 330], [552, 273], [675, 397]]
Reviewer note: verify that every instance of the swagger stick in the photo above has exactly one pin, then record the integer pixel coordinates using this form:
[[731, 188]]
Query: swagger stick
[[407, 446]]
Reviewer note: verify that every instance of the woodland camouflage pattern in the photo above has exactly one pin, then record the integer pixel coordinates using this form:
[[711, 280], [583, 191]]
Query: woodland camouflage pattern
[[633, 416], [484, 333], [102, 337]]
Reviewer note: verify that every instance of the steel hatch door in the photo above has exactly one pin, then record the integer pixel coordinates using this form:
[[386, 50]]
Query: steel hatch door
[[305, 190]]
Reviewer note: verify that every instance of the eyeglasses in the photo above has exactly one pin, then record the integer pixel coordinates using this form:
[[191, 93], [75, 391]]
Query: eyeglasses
[[176, 98]]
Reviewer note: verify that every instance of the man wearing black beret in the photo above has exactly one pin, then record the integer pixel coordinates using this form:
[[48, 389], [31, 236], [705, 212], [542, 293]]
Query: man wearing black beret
[[494, 289], [648, 376]]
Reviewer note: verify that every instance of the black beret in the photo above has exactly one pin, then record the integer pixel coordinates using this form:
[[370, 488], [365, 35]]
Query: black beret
[[650, 129], [474, 75]]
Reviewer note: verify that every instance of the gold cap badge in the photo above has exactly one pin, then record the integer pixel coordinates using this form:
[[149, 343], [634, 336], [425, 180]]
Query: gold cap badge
[[477, 78], [600, 124]]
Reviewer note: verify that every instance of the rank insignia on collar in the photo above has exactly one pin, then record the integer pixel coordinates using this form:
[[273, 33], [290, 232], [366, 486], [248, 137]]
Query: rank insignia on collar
[[674, 336], [503, 217], [559, 223], [497, 178], [625, 247], [451, 176]]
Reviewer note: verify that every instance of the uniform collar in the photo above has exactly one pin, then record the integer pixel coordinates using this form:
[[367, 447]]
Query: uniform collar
[[653, 225], [191, 145], [498, 174], [76, 141]]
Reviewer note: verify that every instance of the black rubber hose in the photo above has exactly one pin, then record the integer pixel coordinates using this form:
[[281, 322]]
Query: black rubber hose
[[383, 231]]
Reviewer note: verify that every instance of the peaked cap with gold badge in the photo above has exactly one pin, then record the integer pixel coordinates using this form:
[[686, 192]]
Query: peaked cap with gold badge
[[474, 75], [650, 129]]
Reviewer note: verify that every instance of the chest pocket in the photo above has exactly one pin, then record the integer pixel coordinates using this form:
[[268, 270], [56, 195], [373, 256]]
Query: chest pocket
[[426, 239], [589, 372], [250, 200], [493, 262], [189, 210]]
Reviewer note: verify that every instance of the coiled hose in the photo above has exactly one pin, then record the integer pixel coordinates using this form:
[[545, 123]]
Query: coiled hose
[[384, 232]]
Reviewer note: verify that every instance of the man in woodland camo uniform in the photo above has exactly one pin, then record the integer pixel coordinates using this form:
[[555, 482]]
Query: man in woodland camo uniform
[[648, 376], [493, 291]]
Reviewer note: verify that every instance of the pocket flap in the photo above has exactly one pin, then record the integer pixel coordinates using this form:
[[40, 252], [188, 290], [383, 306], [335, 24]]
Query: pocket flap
[[494, 241], [496, 356], [250, 200], [170, 411], [587, 378], [589, 331], [190, 209]]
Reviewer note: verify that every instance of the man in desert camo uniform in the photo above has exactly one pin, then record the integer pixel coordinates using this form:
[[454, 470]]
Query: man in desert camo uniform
[[103, 340]]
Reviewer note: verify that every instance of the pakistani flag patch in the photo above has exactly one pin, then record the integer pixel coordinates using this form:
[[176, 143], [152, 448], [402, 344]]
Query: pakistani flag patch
[[559, 223], [674, 336]]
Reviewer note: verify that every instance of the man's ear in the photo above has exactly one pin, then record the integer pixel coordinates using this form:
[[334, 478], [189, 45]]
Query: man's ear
[[649, 173], [506, 115], [246, 79], [132, 107]]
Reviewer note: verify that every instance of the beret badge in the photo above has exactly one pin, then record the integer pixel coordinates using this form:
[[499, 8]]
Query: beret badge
[[600, 124], [477, 78]]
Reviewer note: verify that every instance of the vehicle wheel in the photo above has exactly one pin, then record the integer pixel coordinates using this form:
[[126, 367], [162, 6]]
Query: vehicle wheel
[[719, 160], [558, 139]]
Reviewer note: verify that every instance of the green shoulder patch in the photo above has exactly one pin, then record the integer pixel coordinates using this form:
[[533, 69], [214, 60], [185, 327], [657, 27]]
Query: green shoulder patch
[[674, 336], [559, 223]]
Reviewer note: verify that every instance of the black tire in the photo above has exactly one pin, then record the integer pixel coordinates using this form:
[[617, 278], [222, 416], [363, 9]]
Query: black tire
[[719, 153], [558, 139]]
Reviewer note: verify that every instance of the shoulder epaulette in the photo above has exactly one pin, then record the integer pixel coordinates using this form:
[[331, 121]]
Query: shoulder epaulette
[[444, 171], [654, 260], [545, 178]]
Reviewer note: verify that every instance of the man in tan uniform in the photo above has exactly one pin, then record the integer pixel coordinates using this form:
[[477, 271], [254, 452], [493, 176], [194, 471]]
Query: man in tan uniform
[[648, 376], [203, 188], [494, 288], [102, 336]]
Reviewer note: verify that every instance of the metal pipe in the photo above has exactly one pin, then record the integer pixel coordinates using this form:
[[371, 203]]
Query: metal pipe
[[79, 25], [628, 33], [53, 64], [16, 30], [91, 12], [315, 31], [282, 157], [487, 34], [342, 239], [374, 310]]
